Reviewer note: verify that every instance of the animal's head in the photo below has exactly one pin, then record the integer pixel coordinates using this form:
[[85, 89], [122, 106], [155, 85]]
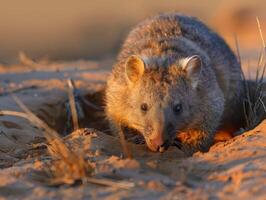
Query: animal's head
[[162, 100]]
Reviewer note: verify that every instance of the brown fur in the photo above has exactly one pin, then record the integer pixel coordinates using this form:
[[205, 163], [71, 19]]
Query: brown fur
[[157, 66]]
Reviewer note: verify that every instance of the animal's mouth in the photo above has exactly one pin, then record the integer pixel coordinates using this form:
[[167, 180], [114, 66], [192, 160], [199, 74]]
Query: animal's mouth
[[157, 148], [157, 144]]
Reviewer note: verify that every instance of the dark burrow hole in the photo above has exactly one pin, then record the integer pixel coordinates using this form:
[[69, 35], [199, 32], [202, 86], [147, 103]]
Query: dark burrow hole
[[90, 108]]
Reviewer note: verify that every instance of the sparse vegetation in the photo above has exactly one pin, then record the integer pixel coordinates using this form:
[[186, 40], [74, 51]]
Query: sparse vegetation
[[66, 166], [255, 91]]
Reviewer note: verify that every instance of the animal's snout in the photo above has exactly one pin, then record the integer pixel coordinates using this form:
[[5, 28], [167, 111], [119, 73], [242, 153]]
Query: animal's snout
[[159, 140], [158, 144]]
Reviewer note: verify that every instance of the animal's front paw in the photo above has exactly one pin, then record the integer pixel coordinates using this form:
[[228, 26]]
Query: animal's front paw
[[186, 148]]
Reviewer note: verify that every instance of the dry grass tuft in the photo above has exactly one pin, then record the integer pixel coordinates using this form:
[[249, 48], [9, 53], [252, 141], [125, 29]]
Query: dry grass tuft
[[67, 166], [72, 104], [254, 100]]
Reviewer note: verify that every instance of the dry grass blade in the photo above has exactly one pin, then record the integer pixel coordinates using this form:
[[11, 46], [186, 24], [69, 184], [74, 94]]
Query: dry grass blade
[[70, 166], [123, 143], [254, 105], [67, 166], [50, 134], [115, 184], [245, 85], [260, 30], [72, 104], [263, 104], [16, 114], [7, 92], [237, 49]]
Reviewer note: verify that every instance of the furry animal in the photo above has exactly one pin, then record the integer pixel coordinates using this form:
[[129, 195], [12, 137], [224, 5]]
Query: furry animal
[[174, 80]]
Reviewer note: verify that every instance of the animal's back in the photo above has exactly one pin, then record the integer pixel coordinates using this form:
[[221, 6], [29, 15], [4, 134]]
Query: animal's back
[[174, 33], [160, 43]]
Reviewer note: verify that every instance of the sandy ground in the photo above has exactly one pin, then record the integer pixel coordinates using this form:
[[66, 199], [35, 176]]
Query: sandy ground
[[231, 169]]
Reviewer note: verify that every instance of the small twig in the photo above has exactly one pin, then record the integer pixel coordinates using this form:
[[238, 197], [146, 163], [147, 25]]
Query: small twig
[[110, 183], [16, 114], [7, 92], [237, 49], [123, 143], [50, 133], [259, 64], [261, 35], [263, 105], [29, 117], [72, 104]]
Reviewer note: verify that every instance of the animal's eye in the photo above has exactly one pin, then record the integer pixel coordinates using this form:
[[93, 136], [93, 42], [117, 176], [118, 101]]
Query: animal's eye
[[144, 107], [177, 108]]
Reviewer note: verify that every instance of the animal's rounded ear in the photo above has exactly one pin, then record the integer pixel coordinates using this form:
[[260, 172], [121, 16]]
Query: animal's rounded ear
[[193, 67], [134, 69]]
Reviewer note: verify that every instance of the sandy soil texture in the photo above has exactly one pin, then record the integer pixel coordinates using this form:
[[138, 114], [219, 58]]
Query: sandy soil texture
[[230, 170]]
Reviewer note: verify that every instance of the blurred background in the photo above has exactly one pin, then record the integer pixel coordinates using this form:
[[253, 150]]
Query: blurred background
[[94, 30]]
